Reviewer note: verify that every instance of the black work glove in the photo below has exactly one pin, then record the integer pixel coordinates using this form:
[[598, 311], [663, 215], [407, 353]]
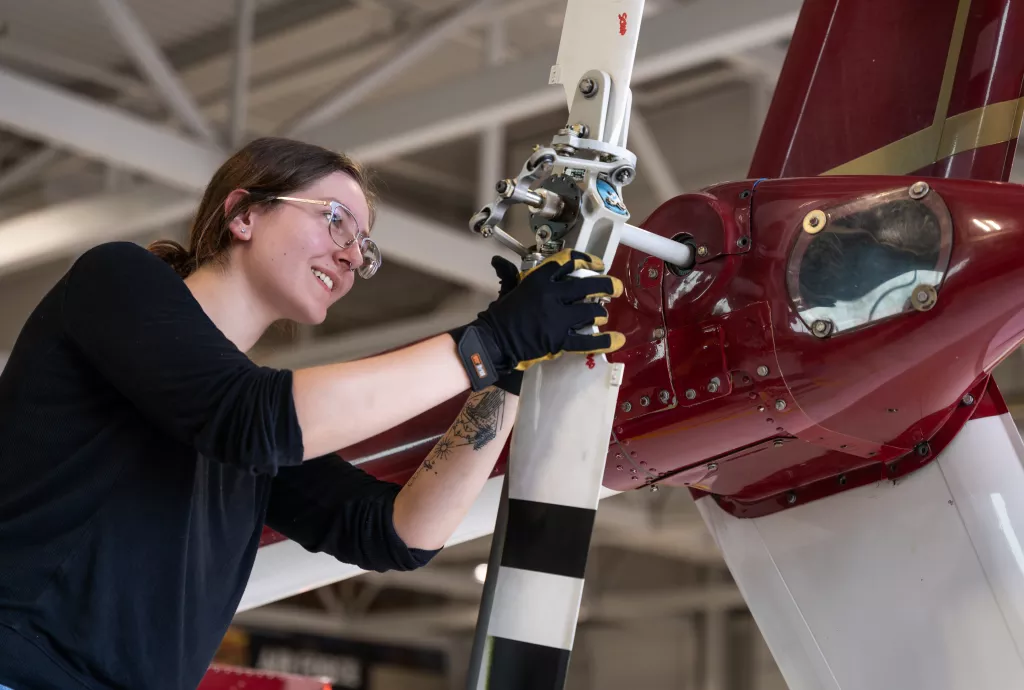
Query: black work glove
[[537, 319], [508, 277]]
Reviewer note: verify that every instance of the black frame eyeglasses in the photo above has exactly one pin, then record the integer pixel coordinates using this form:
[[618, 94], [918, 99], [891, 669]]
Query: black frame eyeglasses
[[337, 220]]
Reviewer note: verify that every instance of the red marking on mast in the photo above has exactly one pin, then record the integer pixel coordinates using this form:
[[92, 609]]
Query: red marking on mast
[[622, 23], [590, 362]]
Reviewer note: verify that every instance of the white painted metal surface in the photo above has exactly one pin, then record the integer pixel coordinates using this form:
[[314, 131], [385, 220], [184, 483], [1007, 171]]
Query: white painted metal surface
[[917, 585], [560, 439], [535, 607], [600, 35]]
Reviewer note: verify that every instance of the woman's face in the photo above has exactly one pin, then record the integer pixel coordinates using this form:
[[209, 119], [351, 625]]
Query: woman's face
[[289, 256]]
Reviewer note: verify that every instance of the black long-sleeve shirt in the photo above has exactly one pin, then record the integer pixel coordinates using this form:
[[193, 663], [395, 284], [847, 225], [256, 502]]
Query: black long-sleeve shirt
[[141, 453]]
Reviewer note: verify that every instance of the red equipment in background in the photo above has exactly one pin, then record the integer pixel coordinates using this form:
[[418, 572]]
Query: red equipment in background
[[228, 678]]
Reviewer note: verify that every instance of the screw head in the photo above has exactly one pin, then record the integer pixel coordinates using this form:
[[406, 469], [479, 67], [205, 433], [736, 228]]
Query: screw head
[[712, 467], [814, 222], [702, 250], [967, 399], [624, 175], [654, 488], [919, 190], [626, 407], [588, 87], [659, 333], [923, 449], [712, 387], [821, 328], [762, 370], [690, 394], [579, 129], [652, 273], [544, 233], [504, 187], [664, 396], [644, 401], [791, 498], [780, 405], [778, 443]]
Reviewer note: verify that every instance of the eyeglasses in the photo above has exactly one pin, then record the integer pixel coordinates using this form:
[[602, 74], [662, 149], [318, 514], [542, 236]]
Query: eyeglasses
[[345, 231]]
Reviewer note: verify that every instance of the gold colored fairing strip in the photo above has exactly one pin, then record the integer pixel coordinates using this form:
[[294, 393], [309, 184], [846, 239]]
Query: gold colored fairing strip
[[956, 42], [993, 124], [921, 148]]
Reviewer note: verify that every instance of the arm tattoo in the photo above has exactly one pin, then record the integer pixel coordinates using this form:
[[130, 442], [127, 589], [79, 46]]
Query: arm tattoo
[[477, 425]]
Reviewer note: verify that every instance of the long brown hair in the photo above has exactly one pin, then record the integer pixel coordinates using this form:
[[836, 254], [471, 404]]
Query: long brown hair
[[270, 166]]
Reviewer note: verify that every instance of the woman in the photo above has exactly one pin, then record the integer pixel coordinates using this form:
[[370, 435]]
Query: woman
[[141, 450]]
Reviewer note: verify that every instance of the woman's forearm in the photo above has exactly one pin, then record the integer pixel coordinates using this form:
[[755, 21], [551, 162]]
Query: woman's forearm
[[437, 497], [339, 405]]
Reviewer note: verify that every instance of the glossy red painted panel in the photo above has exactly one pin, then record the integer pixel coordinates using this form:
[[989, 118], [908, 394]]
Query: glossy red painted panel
[[860, 74], [992, 162], [991, 68], [847, 404]]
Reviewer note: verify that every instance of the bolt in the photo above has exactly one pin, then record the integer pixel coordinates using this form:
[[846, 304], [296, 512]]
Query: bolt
[[664, 396], [780, 405], [742, 242], [702, 250], [624, 175], [505, 187], [652, 273], [654, 488], [690, 394], [923, 449], [579, 130], [922, 296], [842, 480], [918, 190], [588, 87], [813, 221], [762, 370], [644, 401], [967, 399], [712, 467], [712, 387], [659, 333], [791, 498], [544, 233], [486, 231], [821, 328], [778, 443], [626, 407]]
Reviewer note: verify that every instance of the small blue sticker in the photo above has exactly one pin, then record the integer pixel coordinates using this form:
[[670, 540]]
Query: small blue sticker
[[611, 198]]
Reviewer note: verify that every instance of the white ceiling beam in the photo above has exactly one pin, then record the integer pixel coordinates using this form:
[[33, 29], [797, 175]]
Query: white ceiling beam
[[103, 132], [652, 165], [152, 61], [59, 66], [27, 168], [683, 37], [762, 61], [126, 141], [66, 229], [617, 607], [353, 94], [245, 16]]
